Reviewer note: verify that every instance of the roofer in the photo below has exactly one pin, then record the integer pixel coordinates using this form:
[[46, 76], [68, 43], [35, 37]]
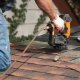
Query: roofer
[[45, 5]]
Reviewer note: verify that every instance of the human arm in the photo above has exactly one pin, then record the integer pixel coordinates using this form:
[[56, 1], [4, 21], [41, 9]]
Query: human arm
[[47, 7]]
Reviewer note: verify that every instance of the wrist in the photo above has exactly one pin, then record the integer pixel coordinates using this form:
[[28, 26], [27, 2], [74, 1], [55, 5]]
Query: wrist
[[53, 18], [56, 19]]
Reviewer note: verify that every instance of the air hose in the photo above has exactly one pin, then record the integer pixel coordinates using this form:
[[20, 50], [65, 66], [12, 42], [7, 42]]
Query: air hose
[[45, 28]]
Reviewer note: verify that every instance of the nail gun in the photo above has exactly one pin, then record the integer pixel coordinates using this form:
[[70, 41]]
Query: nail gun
[[61, 39]]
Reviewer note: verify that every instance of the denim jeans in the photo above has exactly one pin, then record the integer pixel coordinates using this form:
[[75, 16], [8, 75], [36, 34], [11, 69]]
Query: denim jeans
[[5, 59]]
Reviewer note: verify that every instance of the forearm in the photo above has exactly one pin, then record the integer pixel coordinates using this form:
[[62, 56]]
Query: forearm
[[47, 7]]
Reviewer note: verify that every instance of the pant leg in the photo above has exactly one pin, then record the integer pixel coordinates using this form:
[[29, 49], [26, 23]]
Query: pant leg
[[5, 59]]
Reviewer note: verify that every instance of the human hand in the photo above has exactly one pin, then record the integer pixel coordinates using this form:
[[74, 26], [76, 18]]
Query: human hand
[[59, 23]]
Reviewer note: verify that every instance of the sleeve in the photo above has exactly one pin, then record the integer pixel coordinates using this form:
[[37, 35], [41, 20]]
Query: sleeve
[[7, 5]]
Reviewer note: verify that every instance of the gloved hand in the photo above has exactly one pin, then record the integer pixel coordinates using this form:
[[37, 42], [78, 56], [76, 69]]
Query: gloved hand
[[59, 23]]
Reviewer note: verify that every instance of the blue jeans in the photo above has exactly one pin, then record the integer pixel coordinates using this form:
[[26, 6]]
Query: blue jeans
[[5, 59]]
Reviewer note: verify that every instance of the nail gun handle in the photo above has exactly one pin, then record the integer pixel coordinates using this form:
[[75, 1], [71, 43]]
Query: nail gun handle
[[51, 29]]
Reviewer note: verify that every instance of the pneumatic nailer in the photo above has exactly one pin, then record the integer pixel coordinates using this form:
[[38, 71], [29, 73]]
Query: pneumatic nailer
[[61, 39]]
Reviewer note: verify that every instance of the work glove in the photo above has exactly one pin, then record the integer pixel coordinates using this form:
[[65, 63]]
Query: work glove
[[59, 23]]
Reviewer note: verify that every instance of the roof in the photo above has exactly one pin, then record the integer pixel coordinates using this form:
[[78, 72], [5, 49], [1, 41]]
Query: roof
[[37, 62]]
